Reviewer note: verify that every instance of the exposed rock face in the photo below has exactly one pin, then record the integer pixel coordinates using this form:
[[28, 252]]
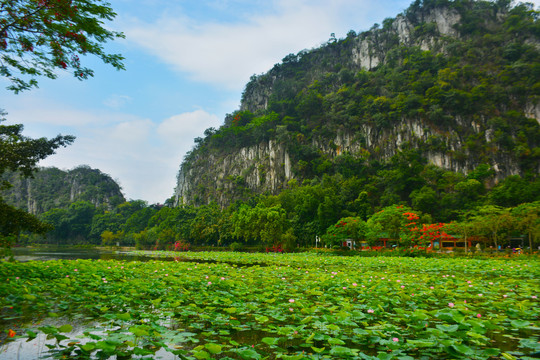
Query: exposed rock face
[[267, 168], [264, 168], [55, 188]]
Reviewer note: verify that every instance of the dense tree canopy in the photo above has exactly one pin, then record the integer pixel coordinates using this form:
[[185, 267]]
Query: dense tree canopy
[[18, 152], [38, 37]]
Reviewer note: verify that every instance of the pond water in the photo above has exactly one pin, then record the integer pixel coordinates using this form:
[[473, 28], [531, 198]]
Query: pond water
[[71, 253], [37, 349]]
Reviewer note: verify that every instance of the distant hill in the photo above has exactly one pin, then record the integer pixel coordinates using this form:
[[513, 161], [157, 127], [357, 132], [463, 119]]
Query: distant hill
[[454, 84], [54, 188]]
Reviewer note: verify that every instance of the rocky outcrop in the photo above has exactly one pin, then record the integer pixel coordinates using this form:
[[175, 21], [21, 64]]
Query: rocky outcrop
[[54, 188], [267, 167], [262, 168], [449, 139]]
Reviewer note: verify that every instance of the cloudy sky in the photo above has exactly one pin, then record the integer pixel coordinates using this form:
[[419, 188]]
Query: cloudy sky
[[186, 63]]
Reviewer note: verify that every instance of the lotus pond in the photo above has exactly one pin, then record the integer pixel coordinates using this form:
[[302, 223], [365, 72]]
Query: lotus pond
[[212, 305]]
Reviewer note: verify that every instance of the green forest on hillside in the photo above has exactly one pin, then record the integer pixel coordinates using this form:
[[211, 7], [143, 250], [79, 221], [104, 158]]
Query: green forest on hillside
[[474, 87], [300, 213], [487, 75]]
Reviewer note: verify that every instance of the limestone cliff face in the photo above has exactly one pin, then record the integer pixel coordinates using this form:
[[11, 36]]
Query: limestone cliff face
[[54, 188], [267, 167], [262, 168], [237, 172]]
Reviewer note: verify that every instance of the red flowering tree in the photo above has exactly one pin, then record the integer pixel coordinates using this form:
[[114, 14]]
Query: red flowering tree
[[430, 233], [38, 37]]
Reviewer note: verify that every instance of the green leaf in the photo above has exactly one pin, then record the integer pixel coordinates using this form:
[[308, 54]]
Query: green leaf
[[141, 351], [385, 356], [334, 341], [213, 348], [60, 337], [420, 343], [138, 331], [65, 328], [233, 343], [491, 352], [341, 351], [261, 318], [123, 316], [201, 355], [293, 357], [248, 354], [447, 328], [106, 346], [519, 323], [508, 356], [89, 346], [318, 350], [270, 341], [463, 349]]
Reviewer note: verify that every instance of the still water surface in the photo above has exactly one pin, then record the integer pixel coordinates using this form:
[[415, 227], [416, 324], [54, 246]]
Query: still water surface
[[72, 253], [22, 349]]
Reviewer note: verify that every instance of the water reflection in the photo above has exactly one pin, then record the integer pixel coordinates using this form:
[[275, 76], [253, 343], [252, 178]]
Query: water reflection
[[71, 253]]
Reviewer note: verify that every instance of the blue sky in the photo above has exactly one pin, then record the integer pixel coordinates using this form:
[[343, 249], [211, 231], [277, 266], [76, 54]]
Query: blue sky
[[186, 65]]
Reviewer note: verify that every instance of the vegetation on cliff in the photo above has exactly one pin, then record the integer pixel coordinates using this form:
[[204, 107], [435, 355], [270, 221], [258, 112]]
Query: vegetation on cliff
[[461, 99], [51, 188], [359, 124]]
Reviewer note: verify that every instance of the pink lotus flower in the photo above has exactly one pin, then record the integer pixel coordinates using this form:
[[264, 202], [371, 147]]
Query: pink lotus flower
[[291, 300], [451, 305], [395, 339], [371, 311], [478, 316]]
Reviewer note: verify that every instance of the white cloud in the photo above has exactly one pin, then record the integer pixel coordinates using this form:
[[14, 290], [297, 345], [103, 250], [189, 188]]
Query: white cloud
[[185, 127], [228, 54], [38, 111], [145, 155], [116, 101]]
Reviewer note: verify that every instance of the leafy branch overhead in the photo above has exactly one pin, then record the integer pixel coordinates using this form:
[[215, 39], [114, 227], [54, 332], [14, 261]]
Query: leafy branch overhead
[[23, 154], [39, 37]]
